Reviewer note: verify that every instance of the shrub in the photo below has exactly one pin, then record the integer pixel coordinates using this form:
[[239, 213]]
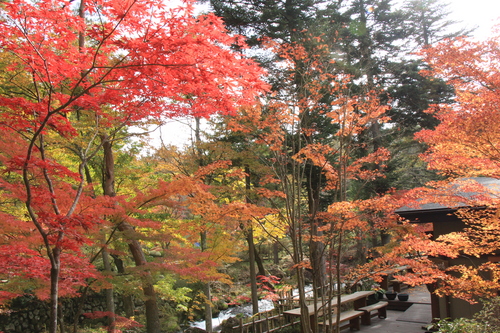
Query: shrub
[[460, 325], [489, 316], [485, 321]]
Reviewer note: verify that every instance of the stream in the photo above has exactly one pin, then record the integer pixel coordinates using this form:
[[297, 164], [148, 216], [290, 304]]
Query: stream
[[246, 310]]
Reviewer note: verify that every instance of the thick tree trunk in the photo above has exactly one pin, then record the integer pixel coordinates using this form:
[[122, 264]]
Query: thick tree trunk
[[318, 263], [110, 301], [150, 302], [128, 302], [54, 289], [259, 262], [316, 246], [208, 308], [62, 326], [276, 253]]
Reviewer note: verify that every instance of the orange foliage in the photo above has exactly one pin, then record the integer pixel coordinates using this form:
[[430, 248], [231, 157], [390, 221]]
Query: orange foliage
[[465, 144]]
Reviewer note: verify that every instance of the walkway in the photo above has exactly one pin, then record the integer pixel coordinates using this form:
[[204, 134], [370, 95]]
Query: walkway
[[412, 320]]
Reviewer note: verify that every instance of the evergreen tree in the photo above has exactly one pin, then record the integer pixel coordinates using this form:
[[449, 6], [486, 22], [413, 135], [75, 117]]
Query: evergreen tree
[[428, 22], [372, 41], [282, 20]]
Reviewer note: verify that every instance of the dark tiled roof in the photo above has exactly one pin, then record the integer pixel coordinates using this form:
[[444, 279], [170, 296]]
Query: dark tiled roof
[[492, 184]]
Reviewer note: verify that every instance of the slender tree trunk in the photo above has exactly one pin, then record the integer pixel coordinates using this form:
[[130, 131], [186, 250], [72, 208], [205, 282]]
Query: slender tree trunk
[[305, 319], [79, 309], [251, 251], [253, 273], [206, 290], [203, 235], [338, 277], [109, 190]]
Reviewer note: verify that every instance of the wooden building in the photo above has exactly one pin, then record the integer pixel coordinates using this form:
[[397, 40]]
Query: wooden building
[[444, 221]]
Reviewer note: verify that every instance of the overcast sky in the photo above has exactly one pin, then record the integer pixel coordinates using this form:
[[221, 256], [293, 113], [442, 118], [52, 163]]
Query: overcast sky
[[482, 14]]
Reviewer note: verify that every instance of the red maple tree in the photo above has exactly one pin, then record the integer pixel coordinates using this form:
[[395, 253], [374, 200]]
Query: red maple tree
[[114, 62]]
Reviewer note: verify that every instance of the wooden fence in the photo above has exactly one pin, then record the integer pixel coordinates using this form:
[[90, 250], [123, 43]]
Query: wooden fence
[[270, 321], [274, 320]]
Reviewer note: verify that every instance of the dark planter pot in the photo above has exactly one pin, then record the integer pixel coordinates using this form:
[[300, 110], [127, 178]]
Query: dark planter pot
[[391, 296], [403, 297], [380, 295], [372, 299]]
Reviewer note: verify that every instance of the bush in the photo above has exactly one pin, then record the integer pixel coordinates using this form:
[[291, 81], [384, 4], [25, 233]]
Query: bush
[[489, 316], [485, 321], [460, 325]]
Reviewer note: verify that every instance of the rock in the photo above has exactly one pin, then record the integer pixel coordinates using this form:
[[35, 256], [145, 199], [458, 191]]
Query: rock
[[194, 330], [10, 327], [228, 324]]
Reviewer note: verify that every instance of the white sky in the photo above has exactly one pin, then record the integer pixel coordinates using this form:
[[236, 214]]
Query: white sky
[[483, 14]]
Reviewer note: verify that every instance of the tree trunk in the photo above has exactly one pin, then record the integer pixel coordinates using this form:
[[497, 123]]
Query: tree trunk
[[128, 302], [109, 190], [276, 253], [110, 301], [203, 235], [253, 275], [208, 308], [305, 319], [206, 290], [318, 262], [79, 309], [54, 288], [62, 326], [251, 250], [259, 262], [150, 302], [316, 245]]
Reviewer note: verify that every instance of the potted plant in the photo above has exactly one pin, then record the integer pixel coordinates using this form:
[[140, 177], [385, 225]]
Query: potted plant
[[403, 297], [379, 293], [391, 295]]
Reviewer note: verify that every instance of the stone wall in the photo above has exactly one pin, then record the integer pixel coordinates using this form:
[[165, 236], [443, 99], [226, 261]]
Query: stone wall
[[27, 314]]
